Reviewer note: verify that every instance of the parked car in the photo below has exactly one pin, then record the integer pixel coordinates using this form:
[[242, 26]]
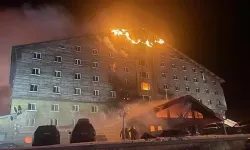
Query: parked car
[[83, 132], [218, 129], [46, 135]]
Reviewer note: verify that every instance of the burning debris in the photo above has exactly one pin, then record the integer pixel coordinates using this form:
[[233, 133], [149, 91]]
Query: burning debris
[[123, 32]]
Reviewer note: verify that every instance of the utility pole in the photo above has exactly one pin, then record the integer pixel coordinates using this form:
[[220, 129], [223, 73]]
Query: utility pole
[[123, 113]]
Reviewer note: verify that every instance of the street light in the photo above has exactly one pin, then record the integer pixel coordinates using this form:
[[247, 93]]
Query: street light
[[123, 113]]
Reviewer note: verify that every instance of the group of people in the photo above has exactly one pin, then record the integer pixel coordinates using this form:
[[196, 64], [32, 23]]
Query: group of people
[[129, 134]]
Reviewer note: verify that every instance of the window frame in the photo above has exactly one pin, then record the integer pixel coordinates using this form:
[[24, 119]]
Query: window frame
[[94, 109], [56, 72], [57, 87], [35, 85], [96, 77], [112, 94], [37, 54], [29, 121], [75, 106], [56, 59], [141, 74], [96, 93], [78, 75], [80, 91], [78, 62], [77, 48], [55, 107], [31, 107], [125, 69], [95, 64], [95, 51], [39, 71]]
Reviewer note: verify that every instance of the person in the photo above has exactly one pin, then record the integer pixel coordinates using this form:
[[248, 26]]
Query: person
[[133, 133], [127, 137]]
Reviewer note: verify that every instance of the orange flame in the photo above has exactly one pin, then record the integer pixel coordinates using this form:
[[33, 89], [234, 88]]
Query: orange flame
[[123, 32]]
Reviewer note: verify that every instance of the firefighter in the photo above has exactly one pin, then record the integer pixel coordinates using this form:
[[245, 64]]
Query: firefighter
[[133, 133], [127, 137]]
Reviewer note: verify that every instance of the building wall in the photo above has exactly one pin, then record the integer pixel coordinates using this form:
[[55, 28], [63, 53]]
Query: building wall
[[109, 68]]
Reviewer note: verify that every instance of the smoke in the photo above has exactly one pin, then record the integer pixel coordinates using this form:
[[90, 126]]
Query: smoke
[[109, 44]]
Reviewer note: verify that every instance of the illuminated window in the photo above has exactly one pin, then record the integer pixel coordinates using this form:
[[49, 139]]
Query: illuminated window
[[95, 52], [30, 122], [58, 59], [37, 55], [144, 74], [152, 128], [78, 62], [78, 48], [159, 128], [36, 71], [75, 108], [162, 64], [77, 91], [145, 86], [55, 107], [96, 78], [94, 109], [77, 76], [96, 92], [95, 65], [112, 94]]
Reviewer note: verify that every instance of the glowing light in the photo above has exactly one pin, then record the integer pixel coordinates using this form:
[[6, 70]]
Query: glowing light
[[123, 32], [28, 140], [145, 86]]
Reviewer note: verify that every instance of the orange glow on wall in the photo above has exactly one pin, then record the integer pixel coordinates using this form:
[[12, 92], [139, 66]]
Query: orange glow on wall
[[159, 128], [28, 140], [145, 86]]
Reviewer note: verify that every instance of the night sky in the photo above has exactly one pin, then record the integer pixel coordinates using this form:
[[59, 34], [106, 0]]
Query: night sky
[[214, 33]]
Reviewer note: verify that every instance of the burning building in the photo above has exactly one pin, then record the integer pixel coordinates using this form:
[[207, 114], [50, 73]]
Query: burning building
[[57, 82]]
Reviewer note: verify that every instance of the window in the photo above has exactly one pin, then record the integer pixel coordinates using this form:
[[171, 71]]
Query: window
[[56, 89], [199, 100], [96, 92], [95, 52], [163, 75], [214, 83], [152, 128], [54, 122], [58, 74], [78, 62], [95, 65], [209, 102], [175, 77], [58, 59], [145, 86], [144, 75], [77, 91], [173, 66], [146, 98], [195, 80], [181, 58], [159, 128], [94, 109], [165, 86], [73, 122], [110, 80], [111, 55], [75, 108], [162, 64], [30, 122], [172, 56], [37, 55], [194, 70], [187, 88], [185, 78], [216, 93], [32, 106], [33, 88], [218, 102], [126, 69], [197, 90], [177, 88], [36, 71], [78, 48], [207, 91], [126, 81], [184, 68], [142, 63], [112, 94], [77, 76], [55, 107], [96, 78]]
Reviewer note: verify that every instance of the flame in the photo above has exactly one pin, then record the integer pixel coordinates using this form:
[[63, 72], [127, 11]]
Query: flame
[[124, 32]]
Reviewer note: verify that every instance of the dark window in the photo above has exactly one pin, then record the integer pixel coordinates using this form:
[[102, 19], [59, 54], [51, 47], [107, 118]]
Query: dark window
[[58, 59], [184, 68], [185, 78], [142, 63], [162, 64], [173, 66], [33, 87], [78, 48], [165, 86], [177, 88], [175, 77], [163, 75], [187, 88], [216, 93], [194, 70], [207, 91], [195, 80], [144, 74], [95, 52], [197, 90]]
